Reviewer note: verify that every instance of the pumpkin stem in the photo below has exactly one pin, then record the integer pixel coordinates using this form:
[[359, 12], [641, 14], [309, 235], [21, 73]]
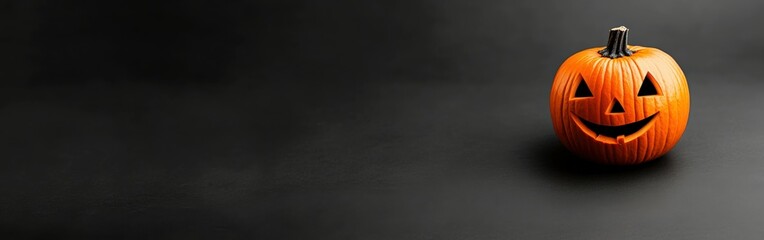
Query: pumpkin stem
[[616, 43]]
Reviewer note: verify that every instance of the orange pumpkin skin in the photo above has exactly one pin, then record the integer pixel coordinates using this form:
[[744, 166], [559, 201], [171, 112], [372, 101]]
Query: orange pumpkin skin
[[643, 128]]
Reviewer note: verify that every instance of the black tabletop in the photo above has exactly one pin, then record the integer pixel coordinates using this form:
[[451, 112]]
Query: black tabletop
[[361, 120]]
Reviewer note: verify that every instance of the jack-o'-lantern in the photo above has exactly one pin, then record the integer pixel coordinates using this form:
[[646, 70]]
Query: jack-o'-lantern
[[619, 104]]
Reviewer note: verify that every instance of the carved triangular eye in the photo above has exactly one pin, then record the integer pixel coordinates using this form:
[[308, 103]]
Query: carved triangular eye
[[582, 90], [648, 87]]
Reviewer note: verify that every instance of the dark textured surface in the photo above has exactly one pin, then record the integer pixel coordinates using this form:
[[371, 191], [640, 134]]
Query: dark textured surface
[[351, 120]]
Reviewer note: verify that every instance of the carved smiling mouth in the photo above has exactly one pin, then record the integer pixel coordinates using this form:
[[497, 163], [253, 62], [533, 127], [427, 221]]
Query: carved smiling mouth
[[618, 134]]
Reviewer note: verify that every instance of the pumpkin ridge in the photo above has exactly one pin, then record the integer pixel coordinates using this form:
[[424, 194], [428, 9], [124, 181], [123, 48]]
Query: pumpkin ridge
[[678, 74], [641, 152]]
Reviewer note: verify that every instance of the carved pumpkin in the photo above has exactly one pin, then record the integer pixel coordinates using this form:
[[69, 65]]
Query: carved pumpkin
[[619, 104]]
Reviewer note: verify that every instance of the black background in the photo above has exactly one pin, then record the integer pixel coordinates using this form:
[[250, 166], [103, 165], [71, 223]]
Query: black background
[[360, 120]]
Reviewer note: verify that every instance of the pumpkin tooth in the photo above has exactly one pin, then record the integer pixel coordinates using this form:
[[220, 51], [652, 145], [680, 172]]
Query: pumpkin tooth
[[621, 139]]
